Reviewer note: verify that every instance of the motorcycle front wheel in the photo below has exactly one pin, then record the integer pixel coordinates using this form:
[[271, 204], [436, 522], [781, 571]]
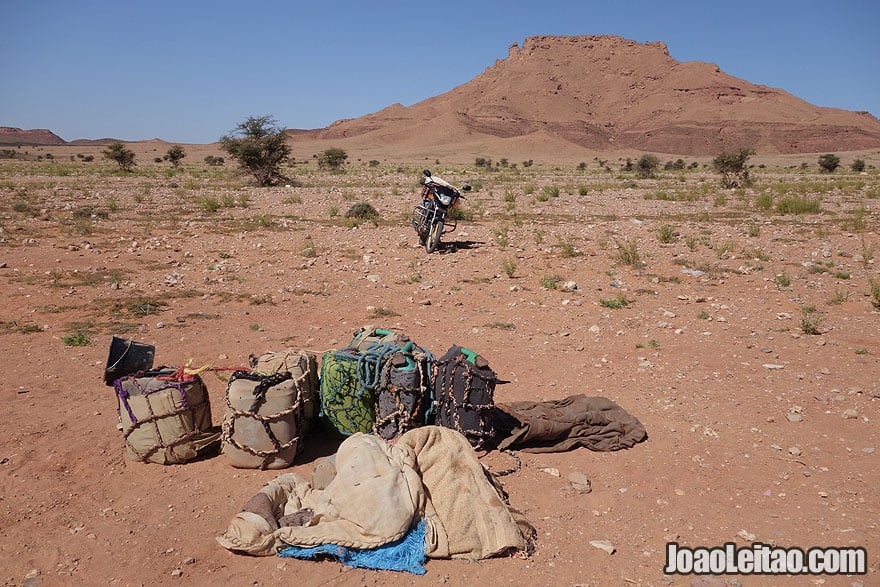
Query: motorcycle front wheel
[[434, 237]]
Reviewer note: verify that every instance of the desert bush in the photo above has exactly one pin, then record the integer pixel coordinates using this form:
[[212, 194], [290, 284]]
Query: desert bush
[[829, 163], [733, 168], [483, 162], [647, 165], [332, 159], [858, 165], [550, 281], [811, 320], [214, 161], [568, 249], [122, 156], [874, 286], [551, 191], [839, 297], [783, 280], [666, 234], [764, 201], [259, 145], [797, 205], [615, 303], [379, 312], [362, 211], [628, 253], [459, 213], [509, 267], [210, 204], [78, 338], [262, 221]]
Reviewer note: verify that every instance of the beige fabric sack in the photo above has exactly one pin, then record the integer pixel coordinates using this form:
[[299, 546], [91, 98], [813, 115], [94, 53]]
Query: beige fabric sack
[[165, 421], [303, 368], [262, 423]]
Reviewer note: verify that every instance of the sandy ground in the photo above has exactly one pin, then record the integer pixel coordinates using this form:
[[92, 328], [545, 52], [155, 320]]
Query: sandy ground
[[758, 430]]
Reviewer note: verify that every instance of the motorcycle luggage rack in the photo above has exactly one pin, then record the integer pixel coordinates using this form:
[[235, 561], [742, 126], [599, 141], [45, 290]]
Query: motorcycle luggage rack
[[421, 219]]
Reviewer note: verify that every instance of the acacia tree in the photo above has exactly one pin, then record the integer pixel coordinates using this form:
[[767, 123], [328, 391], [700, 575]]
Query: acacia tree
[[259, 146], [829, 163], [120, 154], [175, 154], [733, 168], [647, 165]]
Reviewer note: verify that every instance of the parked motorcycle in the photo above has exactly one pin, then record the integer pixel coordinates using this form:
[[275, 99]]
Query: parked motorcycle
[[432, 217]]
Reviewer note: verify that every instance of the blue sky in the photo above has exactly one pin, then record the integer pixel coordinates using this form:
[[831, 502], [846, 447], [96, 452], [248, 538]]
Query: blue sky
[[189, 71]]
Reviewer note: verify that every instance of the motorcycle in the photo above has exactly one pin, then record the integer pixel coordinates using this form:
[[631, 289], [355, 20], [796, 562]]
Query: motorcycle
[[432, 217]]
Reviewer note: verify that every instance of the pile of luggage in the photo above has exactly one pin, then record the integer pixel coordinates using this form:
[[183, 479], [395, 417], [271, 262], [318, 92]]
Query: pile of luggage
[[381, 383]]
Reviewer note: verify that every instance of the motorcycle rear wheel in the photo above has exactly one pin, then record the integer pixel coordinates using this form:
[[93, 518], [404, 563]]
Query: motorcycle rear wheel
[[434, 238]]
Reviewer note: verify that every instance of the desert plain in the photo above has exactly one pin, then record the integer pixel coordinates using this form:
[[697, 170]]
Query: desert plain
[[744, 333]]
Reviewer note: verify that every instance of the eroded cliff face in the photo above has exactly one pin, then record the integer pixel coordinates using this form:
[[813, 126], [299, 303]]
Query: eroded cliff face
[[10, 135], [607, 92]]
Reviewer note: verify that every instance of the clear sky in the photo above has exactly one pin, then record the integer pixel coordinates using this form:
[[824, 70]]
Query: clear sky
[[188, 71]]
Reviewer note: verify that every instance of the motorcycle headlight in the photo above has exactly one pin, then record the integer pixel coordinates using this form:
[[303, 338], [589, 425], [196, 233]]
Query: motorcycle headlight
[[444, 199]]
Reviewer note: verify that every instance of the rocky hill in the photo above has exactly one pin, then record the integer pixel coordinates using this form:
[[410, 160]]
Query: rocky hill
[[607, 93], [10, 135]]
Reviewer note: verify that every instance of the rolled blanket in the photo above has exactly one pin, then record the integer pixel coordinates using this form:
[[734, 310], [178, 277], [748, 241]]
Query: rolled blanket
[[596, 423]]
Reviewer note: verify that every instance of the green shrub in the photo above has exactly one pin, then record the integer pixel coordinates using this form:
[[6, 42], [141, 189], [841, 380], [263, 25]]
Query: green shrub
[[615, 303], [568, 249], [332, 159], [811, 320], [550, 281], [78, 338], [764, 201], [798, 205], [628, 253], [829, 163], [210, 204], [666, 234], [875, 292], [510, 267], [551, 191]]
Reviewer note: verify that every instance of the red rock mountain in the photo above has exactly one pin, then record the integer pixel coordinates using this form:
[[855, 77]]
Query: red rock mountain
[[605, 93], [10, 135]]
